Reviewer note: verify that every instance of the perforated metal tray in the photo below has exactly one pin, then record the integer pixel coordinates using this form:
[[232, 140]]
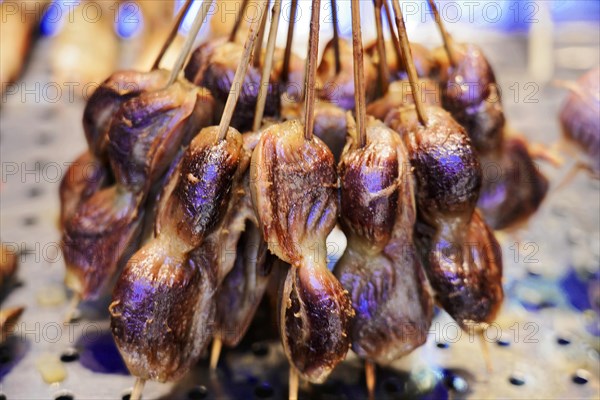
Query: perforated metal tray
[[545, 343]]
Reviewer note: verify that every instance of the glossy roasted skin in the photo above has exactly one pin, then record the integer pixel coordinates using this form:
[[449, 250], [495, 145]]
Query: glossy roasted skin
[[330, 123], [293, 184], [145, 135], [447, 170], [459, 253], [424, 62], [579, 117], [214, 66], [400, 94], [108, 97], [463, 261], [513, 188], [380, 267], [163, 304], [339, 88], [85, 176]]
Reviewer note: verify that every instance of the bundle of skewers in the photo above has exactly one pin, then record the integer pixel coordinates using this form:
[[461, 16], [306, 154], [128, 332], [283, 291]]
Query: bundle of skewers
[[187, 169]]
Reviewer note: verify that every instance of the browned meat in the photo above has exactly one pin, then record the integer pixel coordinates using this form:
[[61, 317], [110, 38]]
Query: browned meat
[[163, 303], [422, 57], [339, 88], [460, 254], [400, 94], [471, 95], [213, 66], [380, 267], [108, 97], [84, 177], [330, 123], [294, 194], [145, 134], [514, 188], [579, 117]]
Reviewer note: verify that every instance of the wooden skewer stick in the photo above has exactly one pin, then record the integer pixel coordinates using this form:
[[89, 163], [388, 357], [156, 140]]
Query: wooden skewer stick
[[311, 70], [293, 394], [238, 21], [370, 377], [336, 37], [266, 72], [485, 351], [395, 40], [384, 72], [410, 65], [261, 35], [189, 41], [288, 46], [215, 351], [238, 81], [180, 17], [359, 75], [73, 304], [138, 388], [445, 36]]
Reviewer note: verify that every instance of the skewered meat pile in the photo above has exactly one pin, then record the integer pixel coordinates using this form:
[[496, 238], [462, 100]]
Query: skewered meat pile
[[144, 135], [232, 203], [163, 301]]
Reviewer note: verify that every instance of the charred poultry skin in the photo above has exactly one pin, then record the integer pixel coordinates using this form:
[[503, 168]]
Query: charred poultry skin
[[294, 184], [213, 66], [163, 303], [380, 267], [579, 117], [338, 88], [471, 95], [459, 252], [145, 134], [238, 253], [108, 97]]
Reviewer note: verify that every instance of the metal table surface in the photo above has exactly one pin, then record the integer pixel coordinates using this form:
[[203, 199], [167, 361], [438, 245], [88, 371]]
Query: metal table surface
[[545, 343]]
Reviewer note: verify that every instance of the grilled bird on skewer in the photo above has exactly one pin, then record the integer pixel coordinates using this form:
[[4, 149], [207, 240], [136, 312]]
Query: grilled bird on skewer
[[239, 257], [144, 136], [380, 267], [470, 94], [579, 117], [163, 303], [294, 195], [459, 252], [213, 65], [338, 88]]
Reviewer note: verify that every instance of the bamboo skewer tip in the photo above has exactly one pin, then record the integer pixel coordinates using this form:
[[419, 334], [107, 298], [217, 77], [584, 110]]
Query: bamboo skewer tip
[[72, 308], [311, 70], [293, 381], [359, 75], [138, 388], [215, 352], [370, 376]]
